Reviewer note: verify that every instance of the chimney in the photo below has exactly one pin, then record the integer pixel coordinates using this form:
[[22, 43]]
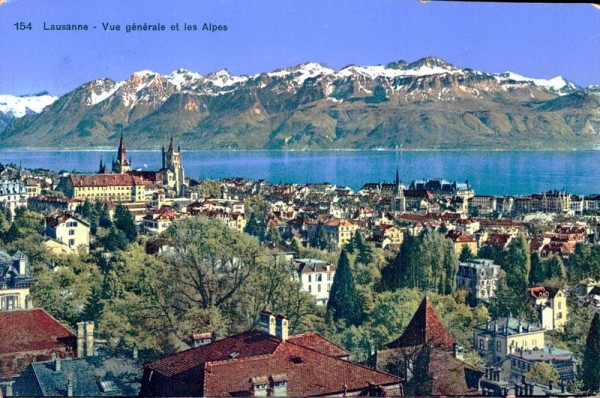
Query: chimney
[[550, 386], [69, 388], [80, 339], [55, 362], [22, 265], [89, 339], [278, 385], [9, 391], [135, 353], [454, 350], [266, 322], [281, 328]]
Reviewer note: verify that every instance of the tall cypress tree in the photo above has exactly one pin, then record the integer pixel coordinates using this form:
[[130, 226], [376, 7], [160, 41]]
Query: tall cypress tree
[[125, 222], [590, 375], [538, 270], [344, 302]]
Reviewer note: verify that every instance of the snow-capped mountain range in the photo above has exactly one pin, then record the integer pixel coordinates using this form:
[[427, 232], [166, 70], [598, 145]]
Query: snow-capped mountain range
[[305, 106]]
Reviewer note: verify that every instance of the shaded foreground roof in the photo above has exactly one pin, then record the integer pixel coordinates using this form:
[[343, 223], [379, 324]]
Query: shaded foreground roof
[[90, 376], [227, 366], [31, 330], [425, 327]]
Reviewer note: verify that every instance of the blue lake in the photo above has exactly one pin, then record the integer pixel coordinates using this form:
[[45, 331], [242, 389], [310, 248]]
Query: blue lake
[[489, 172]]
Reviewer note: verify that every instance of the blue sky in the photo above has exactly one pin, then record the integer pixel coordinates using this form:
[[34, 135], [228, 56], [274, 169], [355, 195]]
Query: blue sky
[[535, 40]]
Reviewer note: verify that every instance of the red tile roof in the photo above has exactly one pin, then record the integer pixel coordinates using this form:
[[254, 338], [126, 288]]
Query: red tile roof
[[31, 330], [247, 344], [318, 343], [258, 355], [458, 236], [425, 327], [308, 373], [105, 180]]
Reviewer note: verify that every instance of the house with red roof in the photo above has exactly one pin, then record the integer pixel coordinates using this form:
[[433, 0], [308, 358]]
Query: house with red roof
[[265, 362], [28, 336], [428, 357]]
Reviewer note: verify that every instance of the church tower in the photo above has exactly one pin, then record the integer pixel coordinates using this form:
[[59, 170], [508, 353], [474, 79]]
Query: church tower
[[102, 168], [173, 168], [121, 165], [399, 201]]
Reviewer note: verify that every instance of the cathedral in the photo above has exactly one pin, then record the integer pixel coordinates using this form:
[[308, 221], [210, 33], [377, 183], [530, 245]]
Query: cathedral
[[172, 168], [171, 174]]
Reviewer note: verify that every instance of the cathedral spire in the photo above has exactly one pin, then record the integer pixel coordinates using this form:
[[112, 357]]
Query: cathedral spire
[[171, 149]]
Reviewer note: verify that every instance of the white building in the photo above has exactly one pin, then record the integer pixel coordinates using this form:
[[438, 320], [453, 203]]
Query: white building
[[13, 195], [316, 278], [68, 229]]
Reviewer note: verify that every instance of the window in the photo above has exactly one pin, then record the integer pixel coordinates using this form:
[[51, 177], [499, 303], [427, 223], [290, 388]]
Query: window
[[559, 316], [498, 346], [329, 276], [71, 242], [319, 277], [490, 345], [481, 344], [559, 305], [319, 288], [309, 288], [71, 232], [310, 278]]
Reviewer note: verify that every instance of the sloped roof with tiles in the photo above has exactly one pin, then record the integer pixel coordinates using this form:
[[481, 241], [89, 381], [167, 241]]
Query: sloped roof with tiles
[[425, 327], [31, 330], [227, 367], [105, 180], [318, 343]]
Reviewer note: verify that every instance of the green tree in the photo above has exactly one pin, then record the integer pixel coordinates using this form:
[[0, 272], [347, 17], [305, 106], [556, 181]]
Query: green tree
[[542, 373], [114, 240], [555, 268], [538, 270], [319, 239], [252, 227], [365, 251], [12, 234], [489, 252], [517, 263], [104, 220], [344, 301], [590, 374], [295, 246], [125, 222], [466, 254]]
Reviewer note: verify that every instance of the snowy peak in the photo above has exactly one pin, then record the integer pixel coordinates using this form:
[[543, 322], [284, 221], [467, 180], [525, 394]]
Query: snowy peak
[[557, 84], [20, 106]]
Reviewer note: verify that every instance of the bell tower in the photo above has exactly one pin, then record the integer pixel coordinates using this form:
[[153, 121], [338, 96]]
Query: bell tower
[[121, 165], [173, 167]]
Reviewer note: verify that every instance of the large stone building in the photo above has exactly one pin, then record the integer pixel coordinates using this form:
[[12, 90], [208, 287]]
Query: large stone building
[[103, 187], [172, 168], [13, 195], [500, 337], [480, 277], [15, 281]]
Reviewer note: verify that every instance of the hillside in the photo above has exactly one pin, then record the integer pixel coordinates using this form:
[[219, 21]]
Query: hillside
[[425, 104]]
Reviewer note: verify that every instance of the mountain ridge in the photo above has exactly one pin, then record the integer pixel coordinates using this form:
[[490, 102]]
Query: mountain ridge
[[426, 104]]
